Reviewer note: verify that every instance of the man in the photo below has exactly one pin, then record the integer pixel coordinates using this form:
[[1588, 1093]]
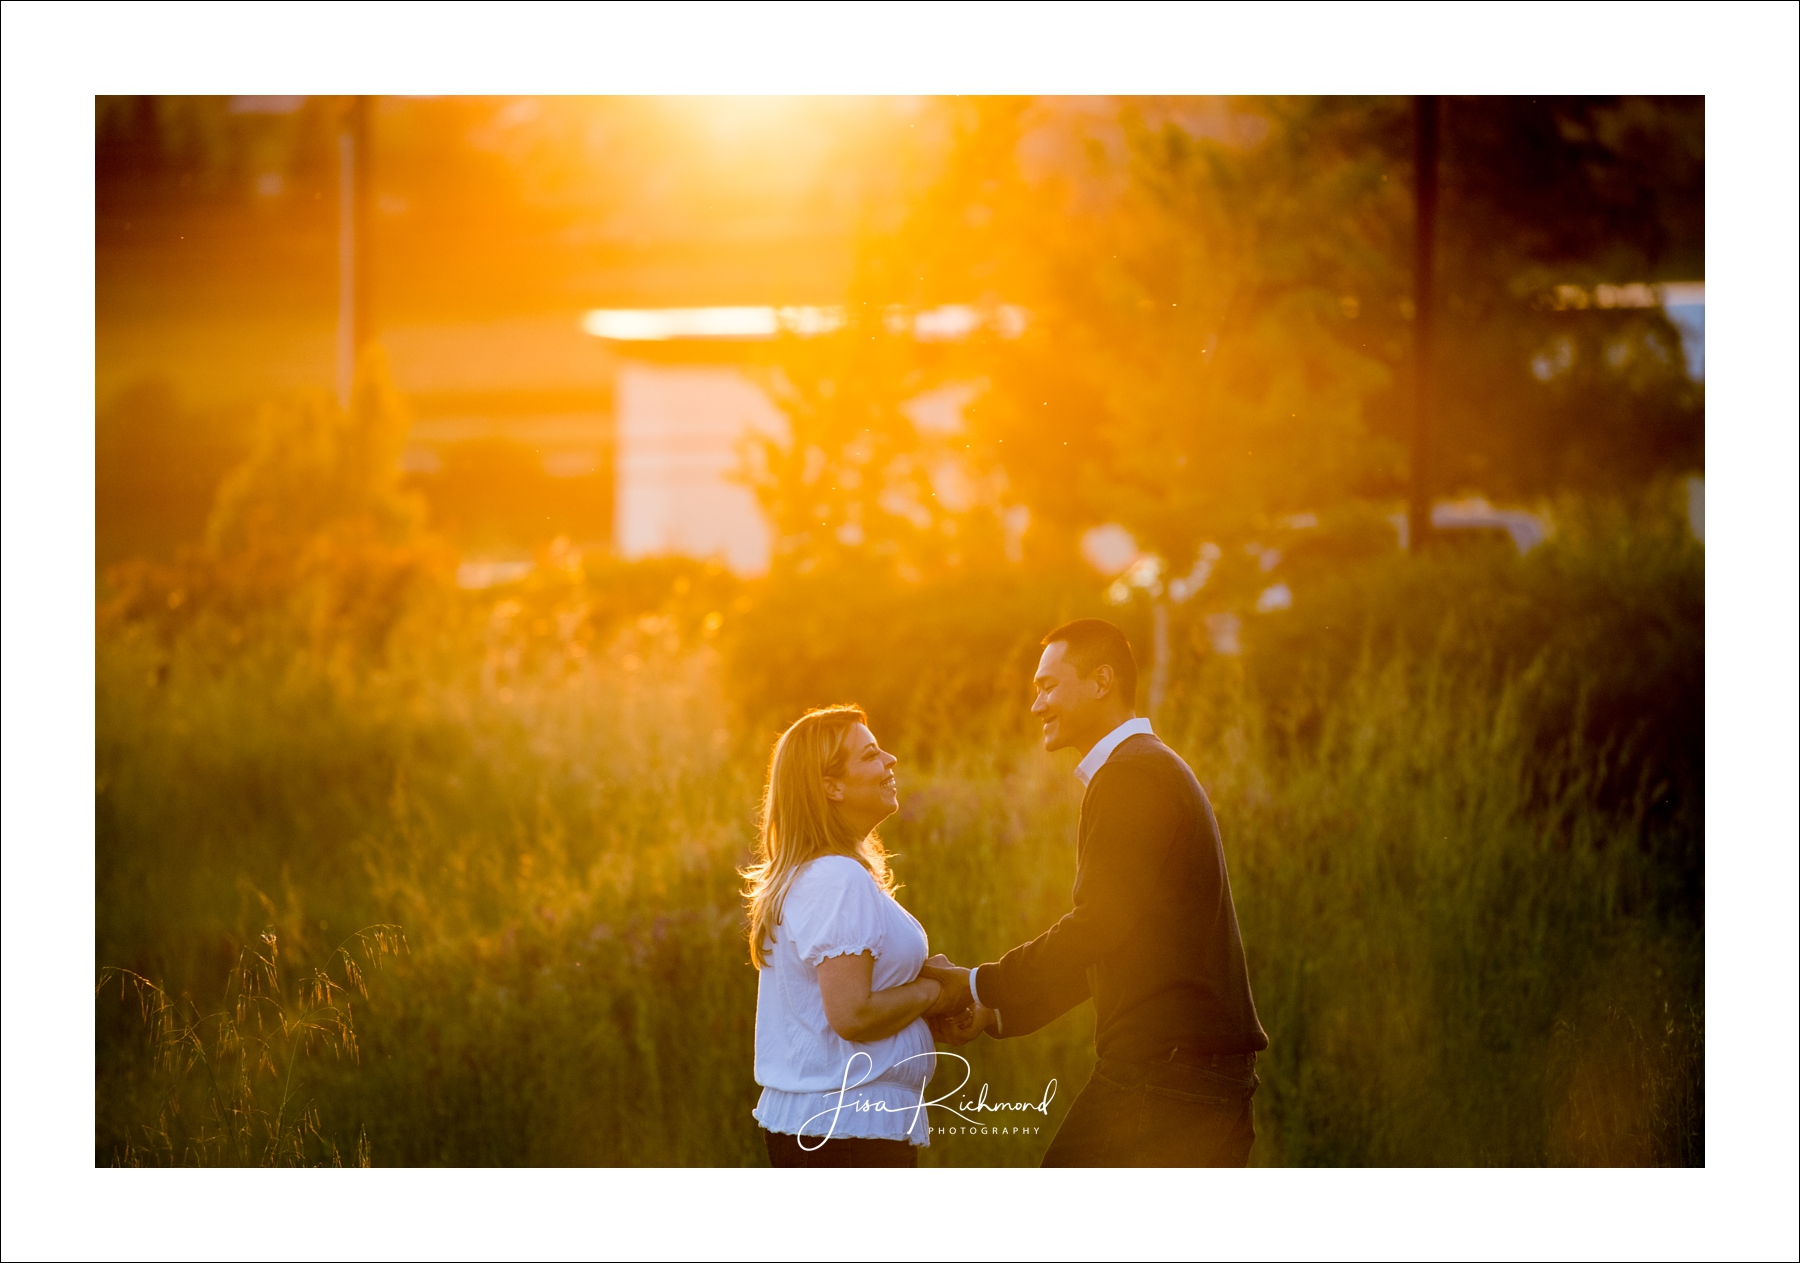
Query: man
[[1152, 937]]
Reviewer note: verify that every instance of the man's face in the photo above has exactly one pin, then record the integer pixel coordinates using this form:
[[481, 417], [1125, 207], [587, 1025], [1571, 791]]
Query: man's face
[[1068, 706]]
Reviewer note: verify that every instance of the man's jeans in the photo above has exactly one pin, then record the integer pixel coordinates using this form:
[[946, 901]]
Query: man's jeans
[[1194, 1112]]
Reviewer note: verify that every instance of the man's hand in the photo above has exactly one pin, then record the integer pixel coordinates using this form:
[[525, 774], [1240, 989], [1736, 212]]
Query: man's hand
[[953, 983], [960, 1028]]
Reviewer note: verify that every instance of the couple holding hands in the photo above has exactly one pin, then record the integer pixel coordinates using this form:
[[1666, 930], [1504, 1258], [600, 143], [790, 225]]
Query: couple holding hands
[[849, 999]]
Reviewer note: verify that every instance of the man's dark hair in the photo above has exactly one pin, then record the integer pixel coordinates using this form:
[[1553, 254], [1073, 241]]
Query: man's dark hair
[[1092, 641]]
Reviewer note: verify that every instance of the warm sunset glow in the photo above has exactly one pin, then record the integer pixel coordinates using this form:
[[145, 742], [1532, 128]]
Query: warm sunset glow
[[482, 483]]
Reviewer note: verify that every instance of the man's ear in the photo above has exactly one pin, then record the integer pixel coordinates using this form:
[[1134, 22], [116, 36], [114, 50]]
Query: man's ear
[[1104, 680]]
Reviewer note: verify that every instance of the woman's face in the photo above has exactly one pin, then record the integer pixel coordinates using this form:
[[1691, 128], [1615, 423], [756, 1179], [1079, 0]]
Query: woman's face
[[867, 792]]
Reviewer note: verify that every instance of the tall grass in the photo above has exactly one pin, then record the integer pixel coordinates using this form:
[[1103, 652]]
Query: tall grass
[[223, 1083], [1463, 952]]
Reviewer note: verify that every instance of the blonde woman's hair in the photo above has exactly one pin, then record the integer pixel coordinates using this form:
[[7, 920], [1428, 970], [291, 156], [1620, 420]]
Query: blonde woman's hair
[[799, 823]]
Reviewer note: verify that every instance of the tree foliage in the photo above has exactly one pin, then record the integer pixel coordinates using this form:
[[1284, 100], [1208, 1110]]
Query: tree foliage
[[1221, 312], [317, 467]]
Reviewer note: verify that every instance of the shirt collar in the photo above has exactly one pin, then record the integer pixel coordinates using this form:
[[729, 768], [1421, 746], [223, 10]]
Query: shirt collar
[[1096, 758]]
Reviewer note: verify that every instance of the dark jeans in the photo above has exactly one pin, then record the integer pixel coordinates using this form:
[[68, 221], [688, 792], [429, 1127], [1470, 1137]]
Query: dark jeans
[[1193, 1112], [839, 1151]]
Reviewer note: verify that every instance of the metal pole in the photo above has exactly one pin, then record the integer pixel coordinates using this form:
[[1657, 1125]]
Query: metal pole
[[346, 313], [355, 324], [1425, 198]]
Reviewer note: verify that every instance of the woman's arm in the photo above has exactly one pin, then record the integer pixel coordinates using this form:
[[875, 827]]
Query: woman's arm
[[860, 1015]]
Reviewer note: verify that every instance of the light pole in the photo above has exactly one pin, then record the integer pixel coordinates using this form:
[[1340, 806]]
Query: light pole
[[1425, 198], [354, 325]]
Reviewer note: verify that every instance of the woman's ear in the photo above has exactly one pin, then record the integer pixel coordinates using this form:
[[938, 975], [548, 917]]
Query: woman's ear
[[834, 789]]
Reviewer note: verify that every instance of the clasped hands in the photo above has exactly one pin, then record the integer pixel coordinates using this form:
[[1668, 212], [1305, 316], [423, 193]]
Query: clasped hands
[[954, 1017]]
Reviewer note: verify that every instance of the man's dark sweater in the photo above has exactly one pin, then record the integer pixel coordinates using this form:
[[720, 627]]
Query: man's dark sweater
[[1153, 935]]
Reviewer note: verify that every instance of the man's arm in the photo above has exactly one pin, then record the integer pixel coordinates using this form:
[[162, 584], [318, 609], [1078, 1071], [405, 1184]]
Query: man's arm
[[1127, 829], [1032, 1012]]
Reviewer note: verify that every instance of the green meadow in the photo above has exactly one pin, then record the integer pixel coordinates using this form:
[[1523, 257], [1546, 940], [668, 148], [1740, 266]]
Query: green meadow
[[391, 872]]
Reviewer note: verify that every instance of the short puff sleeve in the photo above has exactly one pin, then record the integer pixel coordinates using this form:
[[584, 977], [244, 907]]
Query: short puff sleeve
[[833, 909]]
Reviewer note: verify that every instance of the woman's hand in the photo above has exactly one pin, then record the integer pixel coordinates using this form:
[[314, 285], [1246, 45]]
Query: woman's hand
[[861, 1015], [960, 1028], [954, 980], [949, 1002]]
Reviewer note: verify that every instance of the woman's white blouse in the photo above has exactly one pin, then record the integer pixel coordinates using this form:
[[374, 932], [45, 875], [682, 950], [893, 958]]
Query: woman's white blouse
[[816, 1083]]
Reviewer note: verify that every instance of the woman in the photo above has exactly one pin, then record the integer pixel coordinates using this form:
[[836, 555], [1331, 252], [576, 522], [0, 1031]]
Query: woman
[[843, 986]]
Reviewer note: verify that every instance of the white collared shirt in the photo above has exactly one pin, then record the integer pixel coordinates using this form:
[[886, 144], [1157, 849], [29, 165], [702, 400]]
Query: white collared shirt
[[1103, 749], [1091, 762]]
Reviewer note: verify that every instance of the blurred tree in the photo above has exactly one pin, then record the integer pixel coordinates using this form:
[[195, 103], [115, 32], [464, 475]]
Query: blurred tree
[[853, 479], [1204, 283], [1219, 326], [316, 468], [1602, 188], [1220, 300], [312, 536], [1538, 394]]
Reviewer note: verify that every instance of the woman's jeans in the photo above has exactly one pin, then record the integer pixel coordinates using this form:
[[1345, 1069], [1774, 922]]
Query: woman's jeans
[[1190, 1112]]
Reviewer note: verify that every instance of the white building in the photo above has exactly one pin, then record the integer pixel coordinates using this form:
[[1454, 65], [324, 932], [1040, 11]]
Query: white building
[[677, 433], [649, 410], [680, 429]]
